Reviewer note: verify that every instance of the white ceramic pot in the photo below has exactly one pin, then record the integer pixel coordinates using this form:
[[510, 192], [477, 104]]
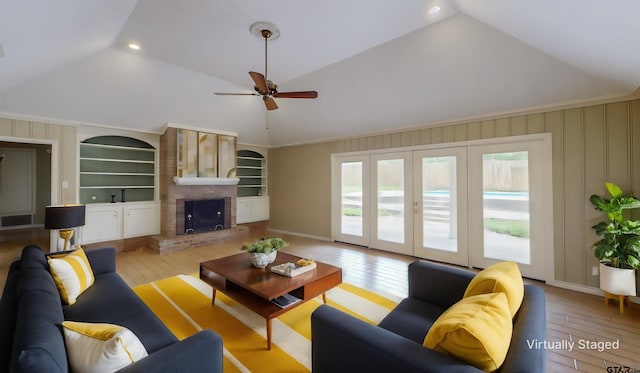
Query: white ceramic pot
[[271, 257], [261, 260], [617, 281]]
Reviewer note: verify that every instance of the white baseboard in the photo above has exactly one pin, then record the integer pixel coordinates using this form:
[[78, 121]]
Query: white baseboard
[[300, 234], [576, 287], [584, 289]]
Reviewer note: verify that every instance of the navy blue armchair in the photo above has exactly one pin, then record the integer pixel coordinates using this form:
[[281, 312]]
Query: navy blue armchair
[[343, 343]]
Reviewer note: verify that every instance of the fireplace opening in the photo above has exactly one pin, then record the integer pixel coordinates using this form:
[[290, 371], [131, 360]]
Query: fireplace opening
[[204, 215]]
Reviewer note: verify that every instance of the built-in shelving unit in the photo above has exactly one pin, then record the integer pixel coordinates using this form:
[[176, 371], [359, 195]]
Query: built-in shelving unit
[[253, 201], [252, 171], [111, 164]]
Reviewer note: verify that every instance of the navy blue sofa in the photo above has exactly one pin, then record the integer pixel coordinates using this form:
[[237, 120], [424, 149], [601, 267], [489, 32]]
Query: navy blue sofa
[[31, 314], [343, 343]]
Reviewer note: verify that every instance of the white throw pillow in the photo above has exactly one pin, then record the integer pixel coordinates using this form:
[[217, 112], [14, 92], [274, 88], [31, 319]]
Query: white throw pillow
[[94, 347], [72, 274]]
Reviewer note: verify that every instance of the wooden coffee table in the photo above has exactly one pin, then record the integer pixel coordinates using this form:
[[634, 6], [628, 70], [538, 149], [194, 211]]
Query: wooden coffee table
[[254, 288]]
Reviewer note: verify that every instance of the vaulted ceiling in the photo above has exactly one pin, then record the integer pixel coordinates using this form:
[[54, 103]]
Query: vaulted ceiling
[[377, 65]]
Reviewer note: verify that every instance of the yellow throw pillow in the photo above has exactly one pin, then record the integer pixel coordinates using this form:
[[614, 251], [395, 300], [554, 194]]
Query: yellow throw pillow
[[72, 274], [476, 330], [95, 347], [502, 277]]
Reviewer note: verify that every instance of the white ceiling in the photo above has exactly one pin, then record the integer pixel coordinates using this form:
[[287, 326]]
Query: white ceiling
[[377, 65]]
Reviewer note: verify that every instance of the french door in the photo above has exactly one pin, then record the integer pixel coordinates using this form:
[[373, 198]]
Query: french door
[[350, 205], [392, 213], [379, 221], [440, 205], [471, 205], [510, 206]]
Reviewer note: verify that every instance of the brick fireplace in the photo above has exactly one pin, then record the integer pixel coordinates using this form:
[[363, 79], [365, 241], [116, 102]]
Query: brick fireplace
[[171, 194]]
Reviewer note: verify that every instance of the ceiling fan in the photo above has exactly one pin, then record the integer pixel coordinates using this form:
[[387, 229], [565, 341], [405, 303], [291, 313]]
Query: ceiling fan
[[264, 87]]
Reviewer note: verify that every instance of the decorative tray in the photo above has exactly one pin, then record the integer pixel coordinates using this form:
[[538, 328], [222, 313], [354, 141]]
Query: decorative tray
[[293, 269]]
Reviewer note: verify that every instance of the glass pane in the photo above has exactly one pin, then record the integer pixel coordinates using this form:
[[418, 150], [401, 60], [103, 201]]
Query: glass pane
[[439, 211], [506, 206], [391, 200], [352, 198]]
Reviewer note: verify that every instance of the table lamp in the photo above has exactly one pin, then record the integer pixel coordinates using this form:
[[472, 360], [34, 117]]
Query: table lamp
[[64, 218]]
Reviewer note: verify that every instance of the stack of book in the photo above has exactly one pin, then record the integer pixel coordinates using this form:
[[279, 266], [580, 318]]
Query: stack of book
[[285, 300]]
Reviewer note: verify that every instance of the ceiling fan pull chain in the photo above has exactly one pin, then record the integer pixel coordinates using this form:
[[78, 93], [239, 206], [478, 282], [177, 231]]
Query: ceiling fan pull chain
[[266, 38]]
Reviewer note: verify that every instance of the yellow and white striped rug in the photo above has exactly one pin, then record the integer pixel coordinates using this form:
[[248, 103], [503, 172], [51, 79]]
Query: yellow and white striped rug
[[183, 303]]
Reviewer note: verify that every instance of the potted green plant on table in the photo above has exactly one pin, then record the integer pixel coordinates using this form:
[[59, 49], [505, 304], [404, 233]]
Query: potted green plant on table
[[619, 248], [262, 252]]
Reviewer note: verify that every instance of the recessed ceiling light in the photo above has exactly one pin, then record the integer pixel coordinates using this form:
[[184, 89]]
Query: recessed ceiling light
[[134, 46], [434, 9]]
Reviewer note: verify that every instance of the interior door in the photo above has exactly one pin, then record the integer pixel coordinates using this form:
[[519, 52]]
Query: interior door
[[440, 205], [392, 202], [17, 181]]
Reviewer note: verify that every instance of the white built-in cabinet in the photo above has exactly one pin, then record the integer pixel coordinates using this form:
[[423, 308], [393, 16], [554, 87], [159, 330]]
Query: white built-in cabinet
[[103, 222], [118, 185], [114, 221], [141, 219], [252, 201], [250, 209]]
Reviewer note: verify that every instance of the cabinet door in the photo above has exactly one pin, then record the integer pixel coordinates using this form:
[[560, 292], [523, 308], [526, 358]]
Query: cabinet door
[[141, 220], [243, 210], [260, 209], [252, 209], [102, 223]]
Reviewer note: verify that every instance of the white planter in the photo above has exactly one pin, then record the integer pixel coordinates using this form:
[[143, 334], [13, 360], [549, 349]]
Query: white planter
[[617, 281], [261, 260]]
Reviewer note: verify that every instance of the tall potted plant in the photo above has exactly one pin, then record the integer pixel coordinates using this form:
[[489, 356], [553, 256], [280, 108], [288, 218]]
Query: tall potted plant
[[619, 248]]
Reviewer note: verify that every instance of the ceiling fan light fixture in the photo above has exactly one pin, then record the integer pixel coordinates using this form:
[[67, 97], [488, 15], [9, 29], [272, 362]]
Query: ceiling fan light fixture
[[257, 29]]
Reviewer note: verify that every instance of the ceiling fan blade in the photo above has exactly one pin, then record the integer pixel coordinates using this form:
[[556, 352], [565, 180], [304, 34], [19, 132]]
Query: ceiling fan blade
[[235, 94], [260, 81], [270, 103], [302, 94]]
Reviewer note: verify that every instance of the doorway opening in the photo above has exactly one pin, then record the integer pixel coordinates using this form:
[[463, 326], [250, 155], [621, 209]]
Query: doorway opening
[[25, 190]]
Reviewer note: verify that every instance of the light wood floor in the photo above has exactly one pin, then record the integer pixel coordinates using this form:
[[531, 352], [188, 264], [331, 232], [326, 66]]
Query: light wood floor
[[571, 316]]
